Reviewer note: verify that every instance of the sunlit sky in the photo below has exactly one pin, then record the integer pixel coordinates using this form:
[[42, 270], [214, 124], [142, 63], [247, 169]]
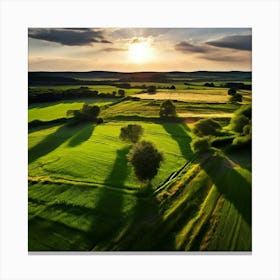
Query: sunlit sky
[[139, 49]]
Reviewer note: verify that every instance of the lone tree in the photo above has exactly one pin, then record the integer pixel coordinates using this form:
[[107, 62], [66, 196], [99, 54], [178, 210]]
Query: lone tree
[[146, 160], [167, 109], [151, 89], [231, 91], [121, 92], [131, 133], [236, 98], [206, 127], [87, 113]]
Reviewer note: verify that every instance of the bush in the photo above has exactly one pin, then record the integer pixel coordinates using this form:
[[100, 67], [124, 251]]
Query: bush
[[167, 109], [206, 127], [242, 142], [131, 133], [219, 142], [145, 159], [87, 113], [231, 91], [200, 144], [99, 121], [238, 122], [236, 98], [151, 89], [121, 92], [245, 110]]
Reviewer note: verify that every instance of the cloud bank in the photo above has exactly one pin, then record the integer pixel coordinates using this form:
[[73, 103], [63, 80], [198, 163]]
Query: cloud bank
[[68, 36]]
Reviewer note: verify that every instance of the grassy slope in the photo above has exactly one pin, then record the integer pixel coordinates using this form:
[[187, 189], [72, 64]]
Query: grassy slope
[[47, 111], [79, 199], [77, 153]]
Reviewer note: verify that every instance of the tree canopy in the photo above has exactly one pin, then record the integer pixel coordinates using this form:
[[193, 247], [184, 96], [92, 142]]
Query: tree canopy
[[131, 133], [146, 160]]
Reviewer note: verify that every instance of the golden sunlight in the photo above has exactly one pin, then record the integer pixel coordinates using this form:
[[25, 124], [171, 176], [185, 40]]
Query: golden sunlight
[[140, 52]]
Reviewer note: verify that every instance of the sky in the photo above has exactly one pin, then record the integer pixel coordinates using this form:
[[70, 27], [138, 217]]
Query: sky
[[139, 49]]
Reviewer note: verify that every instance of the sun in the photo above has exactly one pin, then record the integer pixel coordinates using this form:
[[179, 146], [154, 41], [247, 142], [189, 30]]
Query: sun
[[140, 52]]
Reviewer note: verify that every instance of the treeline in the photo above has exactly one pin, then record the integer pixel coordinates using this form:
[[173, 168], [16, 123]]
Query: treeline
[[49, 95]]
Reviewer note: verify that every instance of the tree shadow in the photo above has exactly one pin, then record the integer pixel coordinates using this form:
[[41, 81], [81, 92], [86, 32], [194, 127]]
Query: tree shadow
[[51, 142], [143, 232], [231, 184], [83, 135], [109, 217], [178, 132]]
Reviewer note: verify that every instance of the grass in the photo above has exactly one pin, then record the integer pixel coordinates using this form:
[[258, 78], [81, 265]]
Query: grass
[[47, 111], [84, 196], [99, 88], [195, 95], [77, 153]]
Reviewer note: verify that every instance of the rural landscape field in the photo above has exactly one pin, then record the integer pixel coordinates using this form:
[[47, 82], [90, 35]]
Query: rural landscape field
[[139, 160]]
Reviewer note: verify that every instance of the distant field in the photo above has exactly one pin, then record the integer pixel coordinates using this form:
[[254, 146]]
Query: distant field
[[147, 108], [199, 95], [47, 111], [99, 88]]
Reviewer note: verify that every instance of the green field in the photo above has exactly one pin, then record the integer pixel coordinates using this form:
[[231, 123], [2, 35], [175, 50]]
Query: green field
[[47, 111], [84, 196]]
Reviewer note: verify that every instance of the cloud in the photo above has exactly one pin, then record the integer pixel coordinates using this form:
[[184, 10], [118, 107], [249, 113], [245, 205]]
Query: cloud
[[186, 47], [238, 42], [68, 36], [114, 50]]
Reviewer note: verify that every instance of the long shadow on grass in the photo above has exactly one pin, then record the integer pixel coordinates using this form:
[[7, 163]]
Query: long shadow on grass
[[83, 135], [231, 184], [109, 217], [178, 132], [52, 141], [143, 232]]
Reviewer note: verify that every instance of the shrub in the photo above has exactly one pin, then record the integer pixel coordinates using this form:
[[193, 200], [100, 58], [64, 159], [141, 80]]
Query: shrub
[[236, 98], [151, 89], [145, 159], [206, 127], [219, 142], [131, 133], [99, 121], [121, 92], [245, 110], [242, 142], [238, 122], [200, 144], [167, 109], [231, 91]]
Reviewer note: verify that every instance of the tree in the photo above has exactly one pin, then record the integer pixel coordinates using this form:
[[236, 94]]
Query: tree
[[201, 144], [86, 113], [90, 113], [206, 127], [151, 89], [231, 91], [172, 87], [131, 133], [167, 109], [145, 159], [236, 98], [238, 122], [121, 92]]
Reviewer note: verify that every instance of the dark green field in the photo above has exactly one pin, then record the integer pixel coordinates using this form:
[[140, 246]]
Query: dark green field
[[84, 196]]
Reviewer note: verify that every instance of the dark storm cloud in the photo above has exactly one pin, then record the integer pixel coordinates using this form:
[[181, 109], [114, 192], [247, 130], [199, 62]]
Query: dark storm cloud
[[190, 48], [239, 42], [68, 36]]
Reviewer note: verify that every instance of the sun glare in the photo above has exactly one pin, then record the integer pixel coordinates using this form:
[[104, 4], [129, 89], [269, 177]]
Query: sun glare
[[140, 52]]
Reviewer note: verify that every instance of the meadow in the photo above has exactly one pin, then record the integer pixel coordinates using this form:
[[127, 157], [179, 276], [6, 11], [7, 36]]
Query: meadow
[[83, 194]]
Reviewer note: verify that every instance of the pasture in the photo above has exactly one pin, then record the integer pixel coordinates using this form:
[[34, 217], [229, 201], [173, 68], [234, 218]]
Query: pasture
[[83, 194]]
